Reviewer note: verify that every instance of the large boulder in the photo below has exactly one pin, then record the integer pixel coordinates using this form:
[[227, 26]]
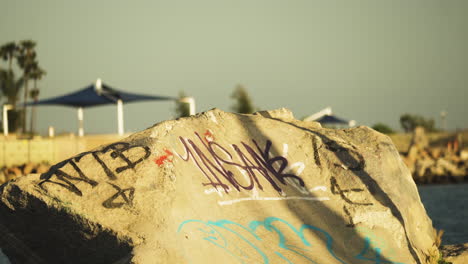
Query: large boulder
[[223, 188]]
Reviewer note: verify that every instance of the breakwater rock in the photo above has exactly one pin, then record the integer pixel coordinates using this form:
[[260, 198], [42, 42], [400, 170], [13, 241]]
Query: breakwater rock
[[223, 188], [12, 172], [436, 164], [455, 254]]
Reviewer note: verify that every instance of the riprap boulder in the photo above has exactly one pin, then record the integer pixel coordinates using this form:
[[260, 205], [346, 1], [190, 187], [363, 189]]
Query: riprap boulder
[[223, 188]]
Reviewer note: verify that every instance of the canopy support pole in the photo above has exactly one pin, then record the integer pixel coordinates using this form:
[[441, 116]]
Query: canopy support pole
[[80, 122], [191, 102], [120, 117], [6, 107]]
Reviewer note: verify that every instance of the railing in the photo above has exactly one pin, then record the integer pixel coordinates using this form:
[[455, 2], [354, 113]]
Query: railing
[[15, 151]]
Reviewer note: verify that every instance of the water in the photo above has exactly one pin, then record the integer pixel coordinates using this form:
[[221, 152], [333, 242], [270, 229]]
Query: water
[[3, 258], [447, 206]]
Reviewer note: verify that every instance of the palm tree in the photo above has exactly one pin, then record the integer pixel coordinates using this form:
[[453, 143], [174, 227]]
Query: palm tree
[[9, 85], [8, 52], [36, 74], [27, 62], [242, 101], [10, 88]]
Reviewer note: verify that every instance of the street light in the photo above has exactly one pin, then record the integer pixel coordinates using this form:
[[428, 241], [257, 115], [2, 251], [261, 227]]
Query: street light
[[443, 117]]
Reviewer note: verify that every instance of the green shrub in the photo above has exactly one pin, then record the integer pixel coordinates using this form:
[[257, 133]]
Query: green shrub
[[383, 128]]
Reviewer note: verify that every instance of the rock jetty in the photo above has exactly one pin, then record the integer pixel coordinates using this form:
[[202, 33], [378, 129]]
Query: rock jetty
[[436, 164], [12, 172]]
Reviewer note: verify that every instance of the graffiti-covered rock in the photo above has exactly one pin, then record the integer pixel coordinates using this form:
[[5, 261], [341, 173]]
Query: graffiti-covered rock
[[223, 188]]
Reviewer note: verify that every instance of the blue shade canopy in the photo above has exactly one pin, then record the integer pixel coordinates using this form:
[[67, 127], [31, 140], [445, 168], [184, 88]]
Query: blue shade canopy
[[331, 119], [94, 96]]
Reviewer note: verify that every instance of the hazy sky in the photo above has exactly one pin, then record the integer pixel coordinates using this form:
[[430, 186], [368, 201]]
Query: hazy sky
[[370, 60]]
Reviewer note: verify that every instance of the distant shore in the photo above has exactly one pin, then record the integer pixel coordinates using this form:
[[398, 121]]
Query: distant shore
[[434, 158]]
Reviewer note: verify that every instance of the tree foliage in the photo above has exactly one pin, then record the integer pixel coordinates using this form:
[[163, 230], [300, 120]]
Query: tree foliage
[[383, 128], [243, 104], [182, 109], [27, 62], [36, 74], [25, 55], [8, 52], [10, 86], [409, 122]]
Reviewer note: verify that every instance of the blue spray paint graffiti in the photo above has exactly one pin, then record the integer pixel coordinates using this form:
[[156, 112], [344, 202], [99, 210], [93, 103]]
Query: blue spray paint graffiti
[[219, 232]]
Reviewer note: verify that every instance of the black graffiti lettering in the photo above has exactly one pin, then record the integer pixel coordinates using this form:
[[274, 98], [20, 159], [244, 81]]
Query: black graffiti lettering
[[65, 178], [56, 174], [350, 218], [316, 153], [229, 175], [270, 161], [208, 169], [250, 167], [253, 161], [265, 165], [106, 169], [350, 158], [118, 150], [127, 199], [336, 189]]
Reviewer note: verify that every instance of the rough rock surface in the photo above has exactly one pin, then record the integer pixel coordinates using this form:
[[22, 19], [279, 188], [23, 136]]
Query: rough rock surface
[[222, 188], [457, 254]]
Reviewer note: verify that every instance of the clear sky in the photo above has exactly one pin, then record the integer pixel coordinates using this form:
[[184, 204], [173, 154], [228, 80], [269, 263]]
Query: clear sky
[[371, 60]]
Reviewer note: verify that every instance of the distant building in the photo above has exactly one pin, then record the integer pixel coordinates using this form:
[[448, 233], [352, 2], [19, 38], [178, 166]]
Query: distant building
[[326, 118]]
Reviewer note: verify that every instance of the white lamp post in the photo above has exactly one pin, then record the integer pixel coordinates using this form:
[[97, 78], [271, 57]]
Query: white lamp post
[[443, 117]]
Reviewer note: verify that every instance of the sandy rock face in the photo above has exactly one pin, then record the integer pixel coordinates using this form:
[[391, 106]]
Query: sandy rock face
[[222, 188]]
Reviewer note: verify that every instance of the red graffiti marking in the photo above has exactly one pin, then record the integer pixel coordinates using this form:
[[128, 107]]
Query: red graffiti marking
[[209, 135], [160, 160]]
